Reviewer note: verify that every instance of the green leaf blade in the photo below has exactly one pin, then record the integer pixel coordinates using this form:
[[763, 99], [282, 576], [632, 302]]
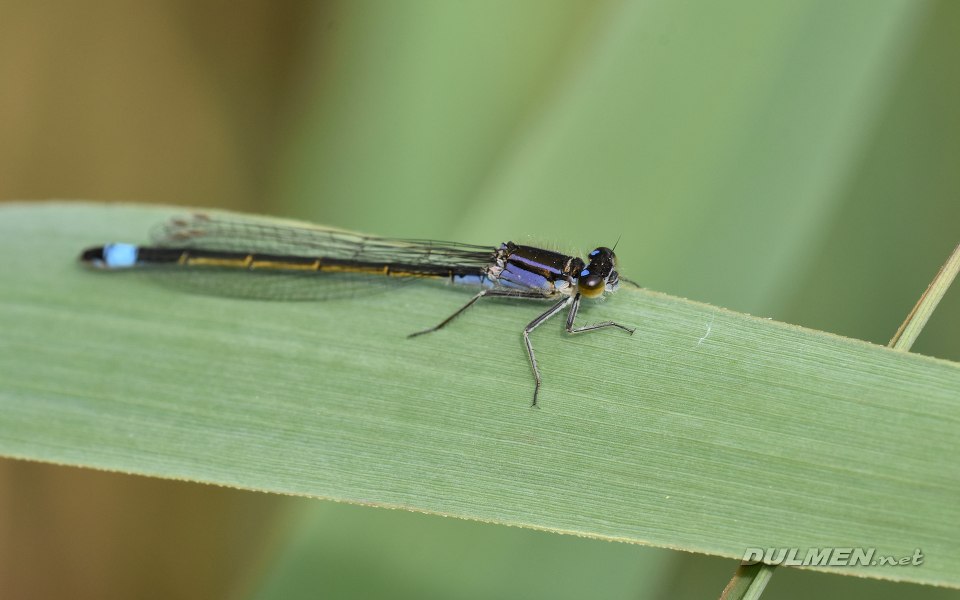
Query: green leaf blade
[[704, 429]]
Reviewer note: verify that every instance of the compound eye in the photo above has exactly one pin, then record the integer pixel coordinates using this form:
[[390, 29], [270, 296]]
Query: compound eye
[[590, 285]]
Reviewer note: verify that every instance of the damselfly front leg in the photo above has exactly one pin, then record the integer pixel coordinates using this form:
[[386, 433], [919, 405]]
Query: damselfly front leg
[[573, 315], [570, 319]]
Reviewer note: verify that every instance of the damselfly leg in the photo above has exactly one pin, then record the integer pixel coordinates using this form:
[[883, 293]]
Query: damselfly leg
[[570, 319], [573, 315], [492, 294], [526, 338], [574, 308]]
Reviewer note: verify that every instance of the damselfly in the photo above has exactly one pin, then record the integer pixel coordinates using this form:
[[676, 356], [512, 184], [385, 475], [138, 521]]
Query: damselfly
[[275, 255]]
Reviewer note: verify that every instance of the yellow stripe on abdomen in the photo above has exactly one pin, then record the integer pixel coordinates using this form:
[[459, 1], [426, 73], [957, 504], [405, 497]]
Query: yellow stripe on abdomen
[[278, 264], [201, 261]]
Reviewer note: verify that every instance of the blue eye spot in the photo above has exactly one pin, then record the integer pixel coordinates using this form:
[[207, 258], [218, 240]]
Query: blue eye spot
[[585, 273], [594, 253]]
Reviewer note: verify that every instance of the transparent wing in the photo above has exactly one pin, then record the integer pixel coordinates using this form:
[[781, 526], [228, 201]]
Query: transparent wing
[[273, 285], [237, 234], [267, 236]]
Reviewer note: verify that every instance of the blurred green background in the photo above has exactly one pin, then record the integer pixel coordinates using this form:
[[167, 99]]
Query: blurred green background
[[798, 160]]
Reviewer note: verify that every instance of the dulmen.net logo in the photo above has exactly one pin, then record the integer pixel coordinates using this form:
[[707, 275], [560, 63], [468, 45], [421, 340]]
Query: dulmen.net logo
[[828, 557]]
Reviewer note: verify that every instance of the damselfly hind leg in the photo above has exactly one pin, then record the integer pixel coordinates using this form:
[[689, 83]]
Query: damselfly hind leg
[[451, 317], [491, 293]]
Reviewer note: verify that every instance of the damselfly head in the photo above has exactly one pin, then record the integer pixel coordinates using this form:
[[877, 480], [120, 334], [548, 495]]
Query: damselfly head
[[599, 276]]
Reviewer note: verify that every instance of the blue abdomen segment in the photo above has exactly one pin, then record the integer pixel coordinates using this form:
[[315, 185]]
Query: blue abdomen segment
[[125, 256], [476, 280], [119, 256]]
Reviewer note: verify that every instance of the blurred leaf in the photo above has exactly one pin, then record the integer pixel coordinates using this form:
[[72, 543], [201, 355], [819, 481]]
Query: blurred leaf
[[706, 429], [900, 214], [748, 582], [713, 137], [346, 551], [920, 315], [409, 104]]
